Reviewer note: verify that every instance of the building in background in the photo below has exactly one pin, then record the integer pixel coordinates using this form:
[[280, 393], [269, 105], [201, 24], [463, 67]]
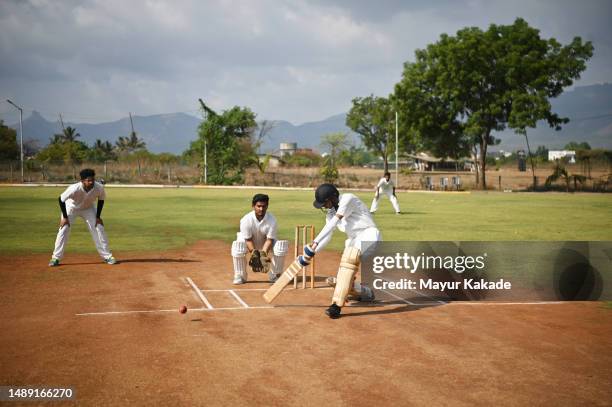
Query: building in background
[[558, 154], [287, 149]]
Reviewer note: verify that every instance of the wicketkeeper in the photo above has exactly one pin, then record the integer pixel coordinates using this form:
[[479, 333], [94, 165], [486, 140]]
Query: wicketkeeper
[[257, 236]]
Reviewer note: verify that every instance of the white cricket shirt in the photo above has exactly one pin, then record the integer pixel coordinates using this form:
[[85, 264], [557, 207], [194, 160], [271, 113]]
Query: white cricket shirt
[[385, 186], [76, 198], [258, 231], [356, 216]]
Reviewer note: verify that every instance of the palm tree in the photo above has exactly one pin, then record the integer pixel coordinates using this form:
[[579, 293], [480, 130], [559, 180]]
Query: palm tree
[[130, 145], [103, 151], [70, 135], [559, 172]]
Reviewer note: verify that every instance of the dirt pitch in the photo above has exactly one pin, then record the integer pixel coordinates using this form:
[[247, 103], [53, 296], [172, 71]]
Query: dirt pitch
[[115, 335]]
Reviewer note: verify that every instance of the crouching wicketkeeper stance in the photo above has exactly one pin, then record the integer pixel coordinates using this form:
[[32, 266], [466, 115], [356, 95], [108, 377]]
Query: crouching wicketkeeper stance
[[258, 236], [351, 216]]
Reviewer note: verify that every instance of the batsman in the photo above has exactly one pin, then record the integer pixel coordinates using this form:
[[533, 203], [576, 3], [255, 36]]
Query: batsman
[[350, 215]]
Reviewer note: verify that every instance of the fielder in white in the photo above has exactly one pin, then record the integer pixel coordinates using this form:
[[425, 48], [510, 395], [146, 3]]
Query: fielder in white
[[385, 186], [258, 236], [348, 214], [78, 201]]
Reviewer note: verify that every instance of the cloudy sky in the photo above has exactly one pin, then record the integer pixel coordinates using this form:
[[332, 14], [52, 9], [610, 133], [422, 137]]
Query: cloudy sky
[[294, 60]]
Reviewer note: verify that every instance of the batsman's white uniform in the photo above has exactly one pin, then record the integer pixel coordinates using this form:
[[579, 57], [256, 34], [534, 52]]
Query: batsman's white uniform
[[385, 187], [359, 227], [258, 231], [80, 203], [357, 223]]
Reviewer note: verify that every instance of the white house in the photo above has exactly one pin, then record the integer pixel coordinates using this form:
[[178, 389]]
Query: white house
[[558, 154]]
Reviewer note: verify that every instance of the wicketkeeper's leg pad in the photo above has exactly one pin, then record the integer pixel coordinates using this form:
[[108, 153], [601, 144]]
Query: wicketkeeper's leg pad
[[280, 250], [349, 265], [239, 251]]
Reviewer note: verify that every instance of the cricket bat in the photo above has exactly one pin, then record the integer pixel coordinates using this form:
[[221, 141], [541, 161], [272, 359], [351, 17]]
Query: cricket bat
[[284, 279]]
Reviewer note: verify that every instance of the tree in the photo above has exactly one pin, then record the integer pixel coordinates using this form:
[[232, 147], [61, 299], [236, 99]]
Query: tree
[[469, 85], [69, 135], [355, 156], [130, 144], [9, 149], [303, 159], [373, 118], [65, 147], [335, 143], [573, 145], [102, 151], [228, 139], [133, 145], [542, 153]]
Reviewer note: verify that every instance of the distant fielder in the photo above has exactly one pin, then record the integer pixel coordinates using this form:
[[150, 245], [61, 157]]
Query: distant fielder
[[258, 236], [351, 216], [78, 201], [385, 186]]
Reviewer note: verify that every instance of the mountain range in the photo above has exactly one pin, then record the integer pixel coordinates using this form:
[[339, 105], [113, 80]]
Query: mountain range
[[589, 109]]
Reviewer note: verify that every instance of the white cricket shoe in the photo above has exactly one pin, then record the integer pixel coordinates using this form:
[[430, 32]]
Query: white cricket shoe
[[238, 280]]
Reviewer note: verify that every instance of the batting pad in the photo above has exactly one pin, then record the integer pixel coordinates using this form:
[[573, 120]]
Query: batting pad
[[281, 247], [349, 264], [239, 251]]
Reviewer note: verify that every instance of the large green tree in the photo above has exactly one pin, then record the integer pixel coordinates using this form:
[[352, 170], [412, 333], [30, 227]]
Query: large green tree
[[465, 87], [373, 118], [229, 143]]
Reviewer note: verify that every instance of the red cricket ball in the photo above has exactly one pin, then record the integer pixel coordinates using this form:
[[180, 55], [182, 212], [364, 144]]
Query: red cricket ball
[[183, 309]]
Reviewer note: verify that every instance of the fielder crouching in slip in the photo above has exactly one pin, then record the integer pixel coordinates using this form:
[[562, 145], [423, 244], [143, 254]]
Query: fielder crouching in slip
[[351, 216], [257, 236]]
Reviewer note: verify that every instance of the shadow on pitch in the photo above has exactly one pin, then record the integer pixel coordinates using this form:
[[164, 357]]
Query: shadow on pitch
[[384, 308], [157, 261], [131, 261]]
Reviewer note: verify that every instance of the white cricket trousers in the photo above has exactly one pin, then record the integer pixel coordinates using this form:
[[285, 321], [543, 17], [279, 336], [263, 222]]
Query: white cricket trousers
[[391, 197], [97, 233]]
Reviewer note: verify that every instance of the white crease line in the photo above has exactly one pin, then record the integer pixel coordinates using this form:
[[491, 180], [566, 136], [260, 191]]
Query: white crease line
[[234, 289], [398, 297], [289, 306], [508, 303], [416, 292], [252, 289], [170, 310], [237, 297], [199, 293]]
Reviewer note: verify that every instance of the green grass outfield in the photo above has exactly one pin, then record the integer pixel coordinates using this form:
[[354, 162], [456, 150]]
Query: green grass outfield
[[147, 219]]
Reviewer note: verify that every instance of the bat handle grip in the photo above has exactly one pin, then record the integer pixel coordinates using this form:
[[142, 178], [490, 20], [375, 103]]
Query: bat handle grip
[[304, 260]]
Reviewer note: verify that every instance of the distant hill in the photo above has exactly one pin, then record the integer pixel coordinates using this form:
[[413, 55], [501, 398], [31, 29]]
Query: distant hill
[[307, 135], [589, 109], [162, 133]]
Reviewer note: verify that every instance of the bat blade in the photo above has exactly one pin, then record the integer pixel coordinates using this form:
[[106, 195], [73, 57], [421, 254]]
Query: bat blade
[[282, 281]]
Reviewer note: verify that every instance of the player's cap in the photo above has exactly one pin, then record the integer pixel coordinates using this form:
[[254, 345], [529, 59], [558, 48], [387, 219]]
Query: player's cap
[[323, 193]]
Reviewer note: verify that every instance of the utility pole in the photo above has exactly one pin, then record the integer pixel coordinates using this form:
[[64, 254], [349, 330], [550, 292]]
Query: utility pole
[[62, 123], [396, 151], [131, 122], [20, 135]]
